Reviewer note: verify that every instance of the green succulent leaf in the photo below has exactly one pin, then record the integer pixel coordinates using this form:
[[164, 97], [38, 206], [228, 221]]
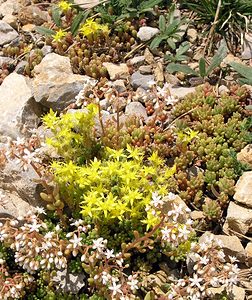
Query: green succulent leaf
[[56, 16], [162, 23], [202, 67], [80, 17], [218, 58]]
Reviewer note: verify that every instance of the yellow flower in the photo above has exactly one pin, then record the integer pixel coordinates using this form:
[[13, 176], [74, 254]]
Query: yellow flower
[[57, 37], [64, 5], [91, 27]]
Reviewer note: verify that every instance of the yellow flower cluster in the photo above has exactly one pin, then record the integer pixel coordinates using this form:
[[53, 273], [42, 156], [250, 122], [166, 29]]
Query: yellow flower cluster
[[57, 37], [64, 5], [92, 27]]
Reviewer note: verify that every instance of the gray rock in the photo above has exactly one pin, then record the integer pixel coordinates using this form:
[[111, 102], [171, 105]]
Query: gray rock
[[115, 71], [145, 70], [145, 33], [7, 33], [54, 85], [243, 189], [172, 79], [245, 156], [237, 293], [181, 92], [192, 35], [136, 109], [223, 89], [46, 50], [119, 85], [137, 60], [11, 20], [69, 283], [21, 183], [17, 105], [238, 219], [9, 7], [247, 51], [20, 67], [231, 245], [12, 205], [5, 60], [139, 80]]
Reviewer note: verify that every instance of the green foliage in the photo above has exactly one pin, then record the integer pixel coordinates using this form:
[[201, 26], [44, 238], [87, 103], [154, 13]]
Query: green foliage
[[116, 188], [180, 53], [204, 71], [170, 29], [73, 134], [232, 18], [125, 9], [244, 71]]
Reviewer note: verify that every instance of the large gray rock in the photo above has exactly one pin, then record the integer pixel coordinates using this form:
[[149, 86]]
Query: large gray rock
[[7, 33], [139, 80], [12, 205], [181, 92], [145, 33], [243, 189], [9, 7], [54, 85], [239, 219], [32, 14], [17, 106]]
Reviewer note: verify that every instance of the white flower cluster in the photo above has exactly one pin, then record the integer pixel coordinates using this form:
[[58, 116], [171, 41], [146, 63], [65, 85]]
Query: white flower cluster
[[209, 269], [12, 287]]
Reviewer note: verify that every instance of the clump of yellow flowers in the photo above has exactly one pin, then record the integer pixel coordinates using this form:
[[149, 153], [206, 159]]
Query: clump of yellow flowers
[[59, 35], [64, 5], [92, 28]]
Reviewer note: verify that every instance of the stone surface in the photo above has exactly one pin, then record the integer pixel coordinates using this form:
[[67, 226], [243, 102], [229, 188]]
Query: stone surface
[[237, 293], [248, 250], [7, 33], [181, 92], [67, 282], [158, 73], [243, 189], [136, 109], [9, 7], [12, 205], [171, 79], [139, 80], [29, 27], [54, 85], [145, 70], [11, 20], [17, 105], [14, 180], [145, 33], [245, 156], [137, 60], [239, 219], [149, 58], [116, 71], [32, 14], [247, 51], [223, 90], [192, 35], [5, 60], [119, 85], [232, 246]]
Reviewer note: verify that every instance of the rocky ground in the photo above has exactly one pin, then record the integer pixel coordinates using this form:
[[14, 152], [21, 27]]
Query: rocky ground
[[54, 85]]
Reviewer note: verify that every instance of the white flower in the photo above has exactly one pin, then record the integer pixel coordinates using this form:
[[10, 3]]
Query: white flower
[[132, 282], [40, 210], [204, 260], [156, 200], [34, 226], [115, 288], [151, 83], [105, 277], [49, 235], [166, 233], [109, 254], [76, 242], [77, 223], [99, 244], [171, 196], [195, 281]]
